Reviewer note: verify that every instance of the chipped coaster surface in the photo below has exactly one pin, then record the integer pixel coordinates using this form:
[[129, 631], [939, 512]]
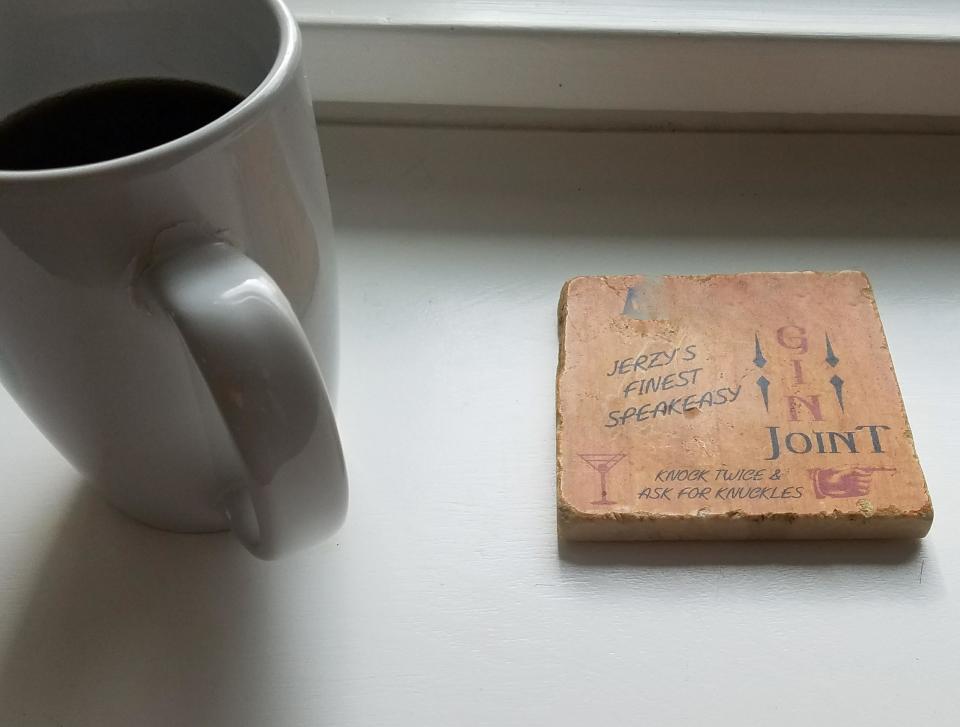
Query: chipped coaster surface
[[760, 405]]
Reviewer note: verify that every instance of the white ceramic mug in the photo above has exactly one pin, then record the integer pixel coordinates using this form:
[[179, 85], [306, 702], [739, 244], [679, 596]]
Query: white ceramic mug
[[163, 314]]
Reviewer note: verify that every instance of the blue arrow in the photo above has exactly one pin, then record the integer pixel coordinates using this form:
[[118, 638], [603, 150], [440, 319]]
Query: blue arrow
[[831, 356], [759, 360], [838, 387], [764, 385]]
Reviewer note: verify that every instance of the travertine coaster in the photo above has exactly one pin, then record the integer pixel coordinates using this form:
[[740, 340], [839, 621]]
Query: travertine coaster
[[761, 405]]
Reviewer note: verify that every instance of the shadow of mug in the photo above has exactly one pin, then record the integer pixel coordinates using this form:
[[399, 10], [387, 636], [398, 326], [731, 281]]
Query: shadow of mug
[[126, 625]]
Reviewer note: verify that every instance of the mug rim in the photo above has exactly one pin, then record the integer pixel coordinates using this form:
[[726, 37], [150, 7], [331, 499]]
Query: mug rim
[[287, 57]]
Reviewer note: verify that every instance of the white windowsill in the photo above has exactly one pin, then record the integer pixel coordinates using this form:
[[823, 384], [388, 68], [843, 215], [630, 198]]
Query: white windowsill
[[849, 18], [446, 598], [870, 63]]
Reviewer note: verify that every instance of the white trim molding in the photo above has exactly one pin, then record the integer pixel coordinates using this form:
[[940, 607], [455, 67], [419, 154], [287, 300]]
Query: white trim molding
[[706, 71]]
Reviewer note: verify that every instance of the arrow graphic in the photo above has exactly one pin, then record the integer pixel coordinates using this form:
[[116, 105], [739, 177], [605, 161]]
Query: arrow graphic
[[838, 388], [764, 385], [759, 360], [831, 356]]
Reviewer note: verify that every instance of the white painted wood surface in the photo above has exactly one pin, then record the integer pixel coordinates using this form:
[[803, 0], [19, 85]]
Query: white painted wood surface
[[446, 600], [856, 57], [890, 18]]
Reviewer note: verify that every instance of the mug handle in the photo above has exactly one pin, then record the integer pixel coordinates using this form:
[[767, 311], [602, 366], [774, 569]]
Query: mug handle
[[256, 361]]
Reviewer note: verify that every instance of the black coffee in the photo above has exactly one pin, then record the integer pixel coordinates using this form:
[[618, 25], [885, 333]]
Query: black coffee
[[108, 120]]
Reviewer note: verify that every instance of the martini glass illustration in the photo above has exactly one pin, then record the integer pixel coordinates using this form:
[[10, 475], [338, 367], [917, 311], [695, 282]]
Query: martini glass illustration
[[602, 463]]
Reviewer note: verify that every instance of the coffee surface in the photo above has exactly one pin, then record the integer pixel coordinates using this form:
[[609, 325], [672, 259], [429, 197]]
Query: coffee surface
[[108, 120]]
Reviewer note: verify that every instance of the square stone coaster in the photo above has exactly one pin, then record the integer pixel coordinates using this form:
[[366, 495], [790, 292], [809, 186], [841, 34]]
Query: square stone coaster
[[760, 405]]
